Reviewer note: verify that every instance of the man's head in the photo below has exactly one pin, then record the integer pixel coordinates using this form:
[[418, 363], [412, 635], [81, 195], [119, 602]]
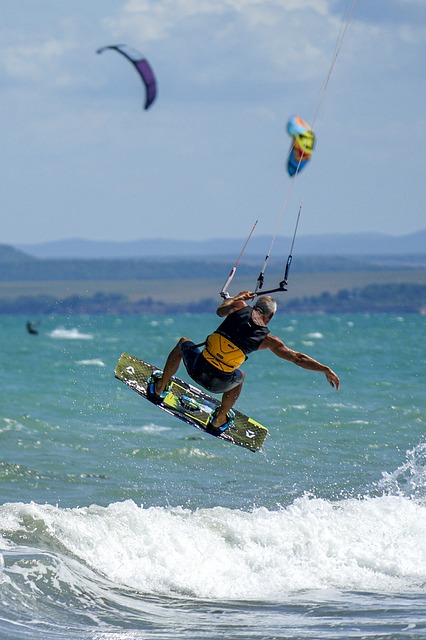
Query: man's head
[[266, 306]]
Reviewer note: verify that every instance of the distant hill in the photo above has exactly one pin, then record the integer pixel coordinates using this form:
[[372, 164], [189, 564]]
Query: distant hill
[[29, 269], [355, 244], [9, 255]]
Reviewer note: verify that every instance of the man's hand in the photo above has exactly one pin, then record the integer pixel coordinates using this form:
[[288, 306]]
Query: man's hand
[[232, 304], [244, 295], [333, 379]]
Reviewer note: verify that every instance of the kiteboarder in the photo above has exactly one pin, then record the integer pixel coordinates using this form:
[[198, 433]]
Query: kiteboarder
[[216, 366], [31, 327]]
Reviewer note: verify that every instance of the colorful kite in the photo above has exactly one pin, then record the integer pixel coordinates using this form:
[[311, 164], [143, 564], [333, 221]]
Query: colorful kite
[[143, 68], [303, 144]]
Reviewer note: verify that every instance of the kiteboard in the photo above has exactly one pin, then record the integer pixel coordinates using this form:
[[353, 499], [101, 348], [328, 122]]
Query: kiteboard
[[189, 404]]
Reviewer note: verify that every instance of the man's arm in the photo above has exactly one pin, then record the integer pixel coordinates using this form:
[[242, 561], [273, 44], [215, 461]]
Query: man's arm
[[232, 304], [277, 346]]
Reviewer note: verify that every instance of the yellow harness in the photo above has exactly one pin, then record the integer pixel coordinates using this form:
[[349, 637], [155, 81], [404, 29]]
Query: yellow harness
[[222, 353]]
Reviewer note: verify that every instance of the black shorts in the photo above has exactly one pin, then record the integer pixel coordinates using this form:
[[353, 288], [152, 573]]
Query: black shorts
[[204, 373]]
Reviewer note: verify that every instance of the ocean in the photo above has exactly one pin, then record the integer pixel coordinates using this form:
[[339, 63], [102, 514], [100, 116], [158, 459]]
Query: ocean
[[119, 522]]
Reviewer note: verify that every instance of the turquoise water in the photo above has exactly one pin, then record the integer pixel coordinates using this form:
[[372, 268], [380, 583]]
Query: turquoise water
[[119, 522]]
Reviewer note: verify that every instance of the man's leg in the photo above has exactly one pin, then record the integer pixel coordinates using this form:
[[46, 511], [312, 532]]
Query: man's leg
[[172, 365], [229, 398]]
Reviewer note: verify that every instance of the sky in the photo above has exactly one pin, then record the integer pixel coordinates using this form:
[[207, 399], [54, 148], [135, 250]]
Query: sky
[[81, 158]]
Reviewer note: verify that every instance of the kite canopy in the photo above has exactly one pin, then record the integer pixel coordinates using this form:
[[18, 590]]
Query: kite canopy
[[142, 67], [303, 144]]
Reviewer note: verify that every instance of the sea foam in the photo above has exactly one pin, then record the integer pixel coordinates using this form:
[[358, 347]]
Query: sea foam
[[69, 334], [363, 544]]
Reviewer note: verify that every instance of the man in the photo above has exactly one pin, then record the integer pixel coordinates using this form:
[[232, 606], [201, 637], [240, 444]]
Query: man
[[216, 368]]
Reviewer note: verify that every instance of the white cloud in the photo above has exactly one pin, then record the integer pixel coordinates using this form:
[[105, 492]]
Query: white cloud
[[34, 62], [412, 34], [246, 43]]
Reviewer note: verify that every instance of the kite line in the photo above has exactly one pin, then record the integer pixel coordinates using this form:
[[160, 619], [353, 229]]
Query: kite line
[[304, 151]]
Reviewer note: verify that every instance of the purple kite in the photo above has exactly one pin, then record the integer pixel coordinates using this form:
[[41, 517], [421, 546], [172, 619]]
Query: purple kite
[[143, 68]]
